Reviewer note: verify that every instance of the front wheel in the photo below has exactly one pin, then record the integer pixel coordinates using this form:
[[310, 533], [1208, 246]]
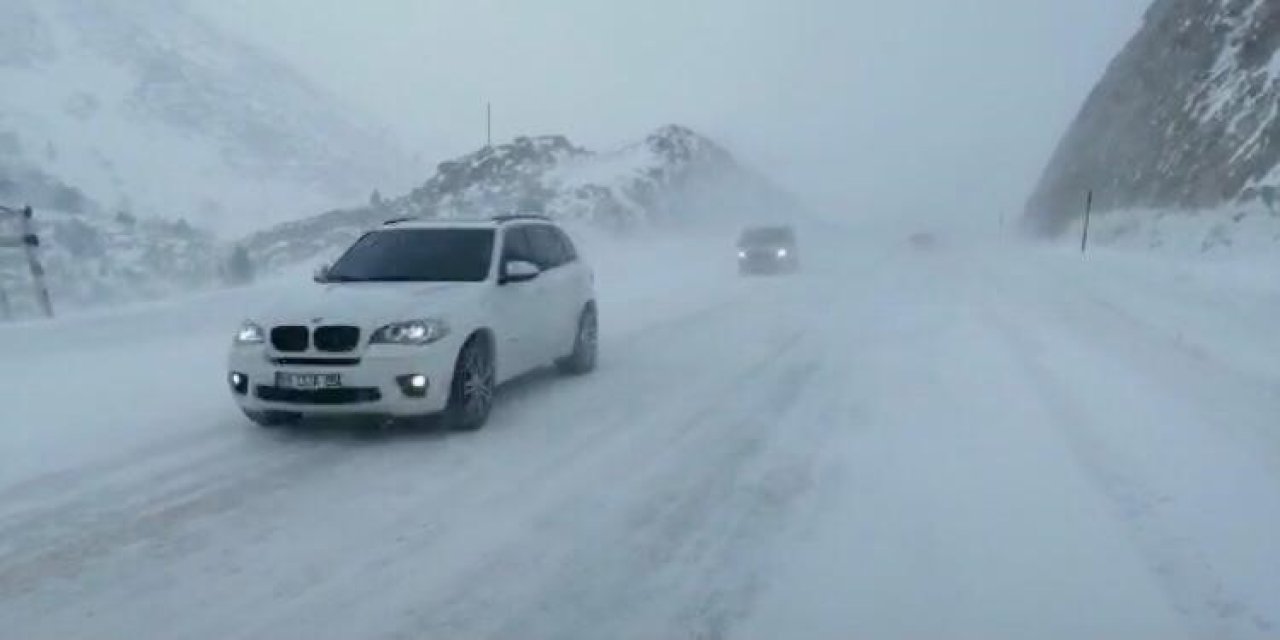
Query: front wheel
[[473, 389], [586, 345]]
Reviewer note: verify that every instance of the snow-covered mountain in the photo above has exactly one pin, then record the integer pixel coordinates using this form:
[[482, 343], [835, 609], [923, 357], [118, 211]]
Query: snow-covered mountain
[[672, 177], [1187, 117], [142, 106]]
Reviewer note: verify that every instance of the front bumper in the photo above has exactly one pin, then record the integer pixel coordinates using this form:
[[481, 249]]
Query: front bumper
[[374, 386], [766, 264]]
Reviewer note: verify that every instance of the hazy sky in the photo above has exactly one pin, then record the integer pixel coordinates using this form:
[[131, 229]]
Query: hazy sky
[[921, 107]]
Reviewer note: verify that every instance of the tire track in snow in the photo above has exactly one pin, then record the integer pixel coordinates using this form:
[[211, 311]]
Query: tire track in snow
[[1210, 602], [699, 501], [168, 514]]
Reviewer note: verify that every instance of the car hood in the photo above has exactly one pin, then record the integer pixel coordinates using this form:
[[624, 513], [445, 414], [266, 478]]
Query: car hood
[[370, 304]]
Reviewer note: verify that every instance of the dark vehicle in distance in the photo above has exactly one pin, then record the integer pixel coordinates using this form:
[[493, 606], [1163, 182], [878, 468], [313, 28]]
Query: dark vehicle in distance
[[924, 241], [768, 250]]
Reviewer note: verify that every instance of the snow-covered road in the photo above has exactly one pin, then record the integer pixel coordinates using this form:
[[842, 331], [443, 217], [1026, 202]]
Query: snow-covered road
[[970, 442]]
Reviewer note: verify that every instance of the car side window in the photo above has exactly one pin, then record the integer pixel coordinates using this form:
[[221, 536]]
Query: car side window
[[569, 251], [548, 252], [516, 246]]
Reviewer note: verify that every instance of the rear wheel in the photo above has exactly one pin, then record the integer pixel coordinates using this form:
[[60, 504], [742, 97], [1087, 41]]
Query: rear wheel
[[473, 389], [586, 345]]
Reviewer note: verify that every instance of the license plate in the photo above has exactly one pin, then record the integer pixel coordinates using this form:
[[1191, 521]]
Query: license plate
[[308, 381]]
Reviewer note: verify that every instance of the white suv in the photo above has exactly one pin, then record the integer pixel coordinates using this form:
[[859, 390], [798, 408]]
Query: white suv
[[420, 318]]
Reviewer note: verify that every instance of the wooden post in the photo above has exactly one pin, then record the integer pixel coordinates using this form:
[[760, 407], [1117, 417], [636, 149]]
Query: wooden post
[[1088, 213]]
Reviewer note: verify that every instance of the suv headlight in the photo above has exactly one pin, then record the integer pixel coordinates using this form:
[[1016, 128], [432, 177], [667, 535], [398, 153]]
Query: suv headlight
[[411, 332], [250, 333]]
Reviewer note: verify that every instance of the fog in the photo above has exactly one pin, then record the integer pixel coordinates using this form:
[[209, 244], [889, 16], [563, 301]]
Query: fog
[[930, 108]]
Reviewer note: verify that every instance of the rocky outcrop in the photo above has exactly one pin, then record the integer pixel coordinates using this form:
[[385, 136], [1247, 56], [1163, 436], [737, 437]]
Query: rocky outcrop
[[672, 177], [1187, 117]]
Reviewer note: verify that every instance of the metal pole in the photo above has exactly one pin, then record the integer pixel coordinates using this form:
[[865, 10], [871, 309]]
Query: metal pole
[[488, 124], [1088, 213], [6, 311], [30, 241]]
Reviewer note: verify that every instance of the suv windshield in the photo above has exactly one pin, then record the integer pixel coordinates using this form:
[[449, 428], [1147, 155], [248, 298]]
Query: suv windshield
[[417, 255], [767, 236]]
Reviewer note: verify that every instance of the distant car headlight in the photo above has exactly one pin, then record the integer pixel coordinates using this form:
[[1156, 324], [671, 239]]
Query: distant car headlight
[[742, 255], [782, 253], [250, 333], [411, 332]]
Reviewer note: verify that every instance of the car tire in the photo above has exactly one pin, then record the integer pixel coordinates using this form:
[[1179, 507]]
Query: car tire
[[273, 419], [586, 345], [474, 386]]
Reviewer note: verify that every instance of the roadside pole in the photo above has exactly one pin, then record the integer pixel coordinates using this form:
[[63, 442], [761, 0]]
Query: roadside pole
[[29, 242], [1088, 213]]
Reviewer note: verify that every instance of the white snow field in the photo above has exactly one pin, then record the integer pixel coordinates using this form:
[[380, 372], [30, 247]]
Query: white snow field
[[973, 441]]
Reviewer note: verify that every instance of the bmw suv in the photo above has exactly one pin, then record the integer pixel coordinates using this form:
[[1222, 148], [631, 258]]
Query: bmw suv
[[421, 318]]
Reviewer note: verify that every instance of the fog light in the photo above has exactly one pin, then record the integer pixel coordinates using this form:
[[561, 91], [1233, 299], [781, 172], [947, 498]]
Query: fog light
[[414, 385], [239, 382]]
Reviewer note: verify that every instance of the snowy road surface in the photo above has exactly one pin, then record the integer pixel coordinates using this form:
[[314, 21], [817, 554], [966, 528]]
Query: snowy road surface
[[969, 442]]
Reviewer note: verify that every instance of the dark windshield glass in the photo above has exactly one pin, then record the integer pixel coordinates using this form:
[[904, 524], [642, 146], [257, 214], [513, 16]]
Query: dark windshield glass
[[417, 255], [767, 236]]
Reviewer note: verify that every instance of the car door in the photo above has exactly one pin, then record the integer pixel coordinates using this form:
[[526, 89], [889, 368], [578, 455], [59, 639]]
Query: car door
[[560, 323], [580, 281], [519, 316]]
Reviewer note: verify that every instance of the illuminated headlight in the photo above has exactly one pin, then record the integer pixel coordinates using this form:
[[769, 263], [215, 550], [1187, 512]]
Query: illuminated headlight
[[250, 333], [742, 255], [782, 253], [412, 332]]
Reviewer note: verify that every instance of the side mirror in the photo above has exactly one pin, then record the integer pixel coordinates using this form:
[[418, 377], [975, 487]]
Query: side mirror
[[321, 274], [517, 271]]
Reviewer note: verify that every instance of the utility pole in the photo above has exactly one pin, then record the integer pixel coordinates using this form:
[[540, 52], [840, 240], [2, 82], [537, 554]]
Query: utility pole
[[1088, 213]]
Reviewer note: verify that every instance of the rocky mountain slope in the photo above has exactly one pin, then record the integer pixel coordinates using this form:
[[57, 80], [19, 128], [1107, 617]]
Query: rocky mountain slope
[[673, 177], [142, 106], [1187, 117]]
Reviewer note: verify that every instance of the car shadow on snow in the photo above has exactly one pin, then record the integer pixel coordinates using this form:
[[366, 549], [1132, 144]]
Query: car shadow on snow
[[374, 429]]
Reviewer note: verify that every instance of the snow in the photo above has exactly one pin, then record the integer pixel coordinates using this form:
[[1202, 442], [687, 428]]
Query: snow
[[1247, 232], [123, 89], [618, 167], [980, 440]]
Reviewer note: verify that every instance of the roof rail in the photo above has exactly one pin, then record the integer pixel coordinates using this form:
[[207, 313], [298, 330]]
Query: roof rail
[[521, 216], [398, 221]]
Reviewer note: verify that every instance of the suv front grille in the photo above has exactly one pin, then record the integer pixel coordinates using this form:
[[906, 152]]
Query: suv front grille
[[337, 339], [290, 339], [319, 396], [316, 362]]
